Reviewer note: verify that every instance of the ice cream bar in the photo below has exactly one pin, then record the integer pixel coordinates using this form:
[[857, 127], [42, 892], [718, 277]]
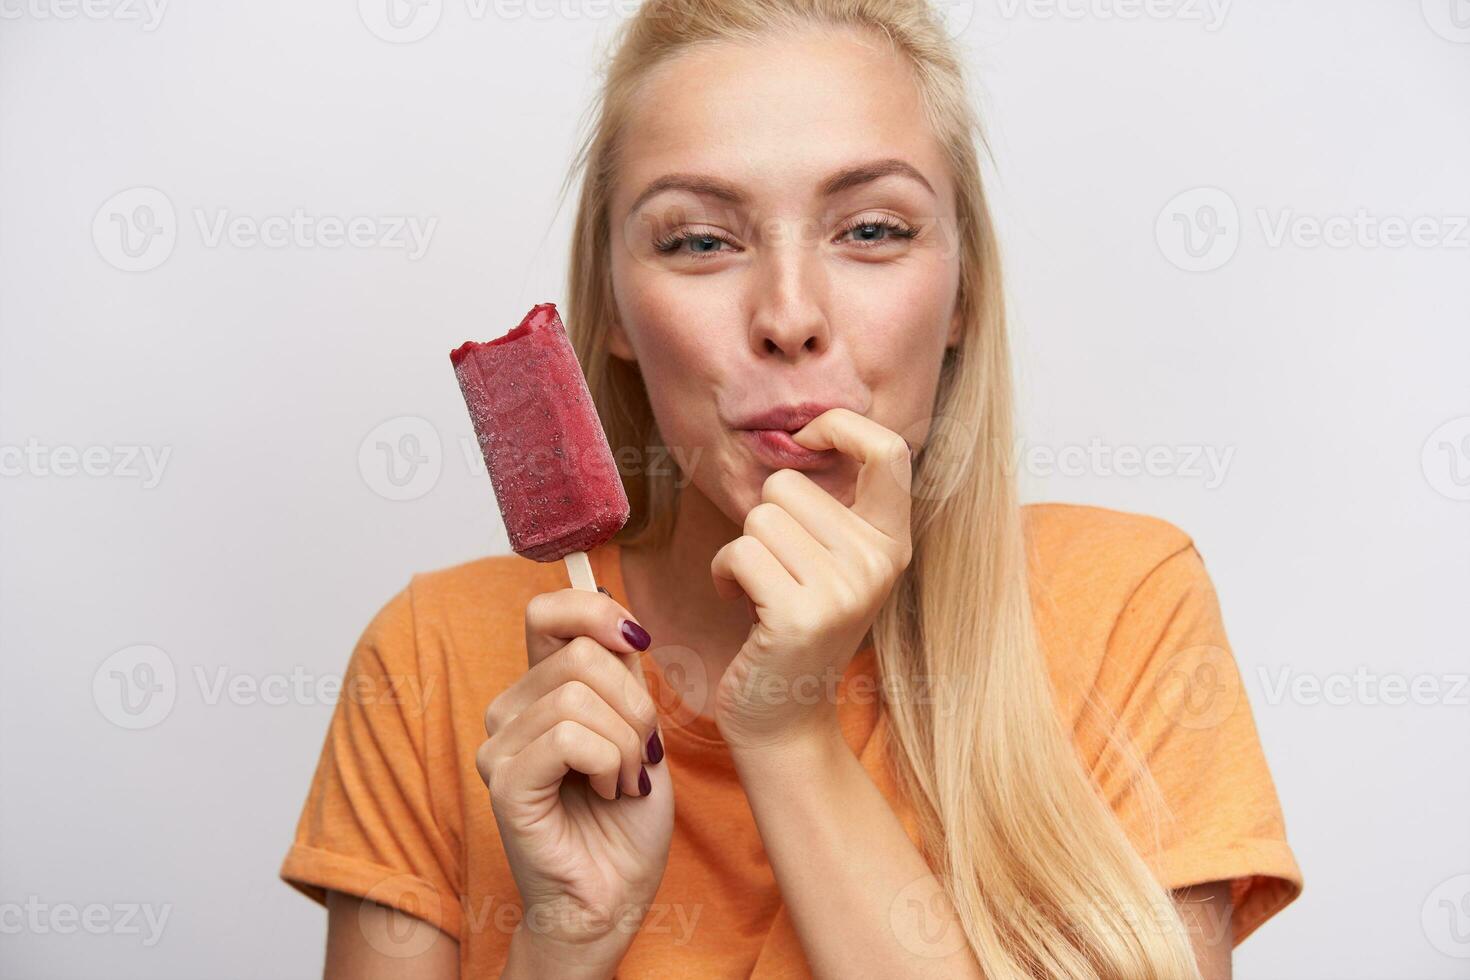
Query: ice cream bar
[[548, 457]]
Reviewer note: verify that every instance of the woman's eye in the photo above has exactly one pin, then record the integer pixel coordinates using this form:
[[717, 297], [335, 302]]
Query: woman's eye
[[704, 243], [698, 245], [866, 234], [871, 233]]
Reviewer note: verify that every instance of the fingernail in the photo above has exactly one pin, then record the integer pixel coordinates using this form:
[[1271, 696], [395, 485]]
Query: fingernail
[[655, 748], [645, 785], [636, 635]]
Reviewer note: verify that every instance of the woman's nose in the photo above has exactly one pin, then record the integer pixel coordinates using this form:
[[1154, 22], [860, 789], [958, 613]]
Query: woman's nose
[[788, 305]]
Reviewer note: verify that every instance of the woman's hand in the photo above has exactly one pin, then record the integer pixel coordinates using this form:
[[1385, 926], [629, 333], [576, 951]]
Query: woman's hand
[[585, 811], [816, 574]]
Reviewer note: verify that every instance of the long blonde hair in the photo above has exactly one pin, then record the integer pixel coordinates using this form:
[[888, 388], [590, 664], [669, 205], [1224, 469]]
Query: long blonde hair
[[1040, 873]]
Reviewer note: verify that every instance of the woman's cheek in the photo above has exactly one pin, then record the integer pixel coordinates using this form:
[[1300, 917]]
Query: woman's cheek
[[681, 394], [899, 364], [904, 302]]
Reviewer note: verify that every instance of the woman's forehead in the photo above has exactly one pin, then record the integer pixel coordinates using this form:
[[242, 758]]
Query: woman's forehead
[[782, 113]]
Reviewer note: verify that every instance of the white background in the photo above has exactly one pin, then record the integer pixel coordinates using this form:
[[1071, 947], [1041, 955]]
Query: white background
[[1337, 534]]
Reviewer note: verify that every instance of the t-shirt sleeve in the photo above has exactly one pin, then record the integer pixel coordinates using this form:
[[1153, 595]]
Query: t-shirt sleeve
[[368, 827], [1171, 679]]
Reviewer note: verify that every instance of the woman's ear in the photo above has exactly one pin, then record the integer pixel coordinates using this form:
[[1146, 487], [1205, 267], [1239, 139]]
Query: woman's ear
[[617, 342], [955, 324]]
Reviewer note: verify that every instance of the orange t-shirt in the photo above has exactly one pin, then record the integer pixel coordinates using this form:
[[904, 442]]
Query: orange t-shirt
[[1131, 631]]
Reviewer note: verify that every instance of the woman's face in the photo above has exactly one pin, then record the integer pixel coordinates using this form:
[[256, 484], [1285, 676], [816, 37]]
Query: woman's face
[[783, 242]]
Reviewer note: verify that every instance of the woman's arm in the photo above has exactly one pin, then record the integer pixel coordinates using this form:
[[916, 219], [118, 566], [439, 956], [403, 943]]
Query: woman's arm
[[368, 941], [1206, 912], [863, 900], [816, 573]]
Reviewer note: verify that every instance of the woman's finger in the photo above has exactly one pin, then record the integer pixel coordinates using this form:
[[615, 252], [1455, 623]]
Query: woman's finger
[[585, 661], [575, 701], [838, 529], [745, 566], [554, 619], [885, 476], [544, 763], [803, 556]]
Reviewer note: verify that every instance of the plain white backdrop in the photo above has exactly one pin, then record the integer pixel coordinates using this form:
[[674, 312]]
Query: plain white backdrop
[[238, 240]]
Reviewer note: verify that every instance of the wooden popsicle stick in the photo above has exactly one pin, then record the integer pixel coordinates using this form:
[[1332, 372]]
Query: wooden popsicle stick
[[580, 570]]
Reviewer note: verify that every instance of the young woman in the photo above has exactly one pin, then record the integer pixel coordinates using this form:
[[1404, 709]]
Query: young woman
[[846, 709]]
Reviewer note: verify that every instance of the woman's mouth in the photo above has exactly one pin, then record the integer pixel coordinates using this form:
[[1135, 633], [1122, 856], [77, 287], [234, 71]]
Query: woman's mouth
[[777, 449]]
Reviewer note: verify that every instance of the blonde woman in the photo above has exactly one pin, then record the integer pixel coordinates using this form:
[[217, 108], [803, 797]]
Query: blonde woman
[[846, 709]]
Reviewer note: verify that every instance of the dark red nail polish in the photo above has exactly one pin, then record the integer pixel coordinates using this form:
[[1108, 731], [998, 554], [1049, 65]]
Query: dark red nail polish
[[636, 635], [655, 748], [645, 785]]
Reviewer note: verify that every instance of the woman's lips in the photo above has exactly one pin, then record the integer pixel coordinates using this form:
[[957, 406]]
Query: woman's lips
[[776, 448]]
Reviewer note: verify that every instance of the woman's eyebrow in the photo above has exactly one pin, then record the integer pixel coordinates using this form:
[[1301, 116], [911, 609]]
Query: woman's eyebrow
[[844, 179], [695, 184], [863, 173]]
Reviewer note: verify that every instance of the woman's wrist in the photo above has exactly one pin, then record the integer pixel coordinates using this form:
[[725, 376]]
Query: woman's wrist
[[800, 755], [538, 957]]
